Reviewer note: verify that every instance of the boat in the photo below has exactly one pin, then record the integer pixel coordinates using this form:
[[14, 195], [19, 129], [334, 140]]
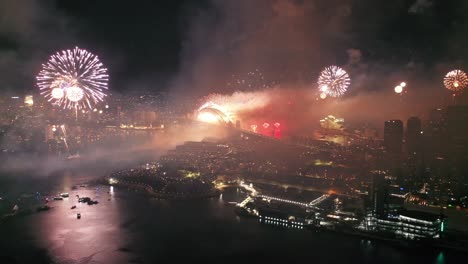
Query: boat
[[64, 195], [73, 207], [91, 202], [42, 208], [84, 199], [72, 157], [15, 209], [58, 198]]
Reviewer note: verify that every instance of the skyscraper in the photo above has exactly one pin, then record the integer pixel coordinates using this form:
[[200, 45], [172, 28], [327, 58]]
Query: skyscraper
[[434, 136], [379, 195], [413, 136], [457, 144], [393, 137], [457, 131]]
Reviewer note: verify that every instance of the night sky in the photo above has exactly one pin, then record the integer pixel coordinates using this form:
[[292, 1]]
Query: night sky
[[163, 45]]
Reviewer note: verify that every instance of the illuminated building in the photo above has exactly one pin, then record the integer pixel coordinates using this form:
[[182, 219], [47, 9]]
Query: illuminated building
[[379, 194], [412, 225]]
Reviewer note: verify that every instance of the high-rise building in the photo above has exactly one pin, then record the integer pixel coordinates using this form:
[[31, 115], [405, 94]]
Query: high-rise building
[[413, 136], [393, 136], [457, 144], [457, 131], [379, 194], [435, 134]]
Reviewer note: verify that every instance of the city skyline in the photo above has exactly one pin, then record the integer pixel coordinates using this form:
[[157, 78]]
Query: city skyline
[[249, 130]]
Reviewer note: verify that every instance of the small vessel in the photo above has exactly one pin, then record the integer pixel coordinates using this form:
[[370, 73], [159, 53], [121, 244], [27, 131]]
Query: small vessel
[[42, 208], [64, 195], [58, 198], [73, 207], [72, 157], [78, 216], [91, 202], [84, 199]]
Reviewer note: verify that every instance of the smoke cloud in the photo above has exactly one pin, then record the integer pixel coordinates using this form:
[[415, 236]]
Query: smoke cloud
[[291, 42], [106, 158]]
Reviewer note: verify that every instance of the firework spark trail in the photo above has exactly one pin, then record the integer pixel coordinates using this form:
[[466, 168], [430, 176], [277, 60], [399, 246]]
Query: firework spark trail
[[253, 80], [73, 79], [333, 81], [240, 101]]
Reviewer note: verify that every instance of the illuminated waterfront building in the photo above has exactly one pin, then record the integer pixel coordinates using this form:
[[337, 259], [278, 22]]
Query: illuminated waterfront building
[[411, 225]]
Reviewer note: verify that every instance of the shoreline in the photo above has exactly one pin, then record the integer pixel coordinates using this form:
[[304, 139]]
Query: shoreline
[[150, 191], [407, 244]]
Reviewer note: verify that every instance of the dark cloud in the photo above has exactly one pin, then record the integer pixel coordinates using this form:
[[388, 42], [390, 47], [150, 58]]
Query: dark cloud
[[29, 31], [420, 6]]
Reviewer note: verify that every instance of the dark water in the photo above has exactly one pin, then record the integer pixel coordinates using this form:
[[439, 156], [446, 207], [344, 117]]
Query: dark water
[[127, 227]]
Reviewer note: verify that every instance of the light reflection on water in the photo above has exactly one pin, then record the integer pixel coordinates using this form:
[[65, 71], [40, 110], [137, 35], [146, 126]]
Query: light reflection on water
[[97, 235]]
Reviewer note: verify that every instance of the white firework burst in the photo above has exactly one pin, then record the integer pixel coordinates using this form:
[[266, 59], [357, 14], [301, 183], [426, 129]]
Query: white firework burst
[[73, 79], [333, 81]]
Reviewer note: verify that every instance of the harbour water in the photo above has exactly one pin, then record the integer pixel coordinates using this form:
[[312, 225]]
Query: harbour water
[[128, 227]]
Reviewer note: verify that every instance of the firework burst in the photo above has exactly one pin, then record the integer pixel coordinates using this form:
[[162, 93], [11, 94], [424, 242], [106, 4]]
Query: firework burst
[[456, 80], [333, 81], [73, 79]]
